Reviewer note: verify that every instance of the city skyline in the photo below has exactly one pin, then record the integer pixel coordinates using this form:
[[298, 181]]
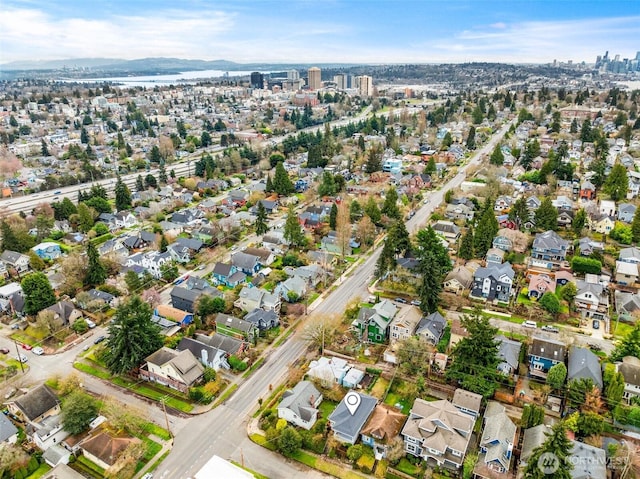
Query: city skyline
[[248, 31]]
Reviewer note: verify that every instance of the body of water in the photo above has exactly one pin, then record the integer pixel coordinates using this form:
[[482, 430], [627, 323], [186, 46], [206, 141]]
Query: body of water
[[162, 80]]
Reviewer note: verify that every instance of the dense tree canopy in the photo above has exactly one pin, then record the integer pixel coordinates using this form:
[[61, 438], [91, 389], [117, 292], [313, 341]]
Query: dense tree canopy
[[132, 336], [38, 293], [78, 410]]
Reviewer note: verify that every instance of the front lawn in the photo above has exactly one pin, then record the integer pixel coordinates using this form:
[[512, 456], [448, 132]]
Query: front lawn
[[326, 408], [405, 466], [41, 471]]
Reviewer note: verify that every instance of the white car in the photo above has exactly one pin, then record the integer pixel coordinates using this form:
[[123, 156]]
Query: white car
[[38, 351], [530, 324], [22, 358]]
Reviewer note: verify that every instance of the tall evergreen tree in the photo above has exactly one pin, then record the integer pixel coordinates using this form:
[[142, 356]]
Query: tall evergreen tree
[[132, 336], [579, 221], [38, 293], [9, 239], [162, 173], [292, 230], [333, 216], [96, 272], [374, 160], [269, 186], [281, 182], [546, 217], [390, 205], [471, 138], [466, 244], [427, 240], [123, 195], [139, 183], [475, 358], [164, 244], [372, 211], [629, 346], [635, 226], [497, 157], [617, 183], [551, 459], [430, 285], [486, 230], [519, 212], [261, 220]]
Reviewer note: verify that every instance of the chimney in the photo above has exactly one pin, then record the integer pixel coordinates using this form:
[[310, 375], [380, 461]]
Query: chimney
[[312, 400]]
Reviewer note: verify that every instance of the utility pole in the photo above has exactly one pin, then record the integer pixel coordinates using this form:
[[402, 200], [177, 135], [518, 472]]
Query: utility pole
[[19, 358], [166, 418]]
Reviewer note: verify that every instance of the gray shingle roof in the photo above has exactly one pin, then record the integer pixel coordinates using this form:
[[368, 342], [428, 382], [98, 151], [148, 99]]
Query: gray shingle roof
[[300, 400], [584, 364], [37, 402], [347, 424]]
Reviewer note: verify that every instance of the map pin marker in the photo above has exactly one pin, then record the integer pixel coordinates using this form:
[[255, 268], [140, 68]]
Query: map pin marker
[[352, 400]]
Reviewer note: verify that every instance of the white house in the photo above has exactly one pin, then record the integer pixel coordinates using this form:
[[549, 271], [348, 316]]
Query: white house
[[299, 406]]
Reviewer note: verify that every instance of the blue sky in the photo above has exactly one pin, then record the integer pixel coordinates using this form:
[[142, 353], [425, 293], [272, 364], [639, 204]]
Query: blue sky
[[308, 31]]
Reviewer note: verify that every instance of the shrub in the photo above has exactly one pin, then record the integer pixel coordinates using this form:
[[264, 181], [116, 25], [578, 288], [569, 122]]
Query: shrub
[[237, 364], [583, 265]]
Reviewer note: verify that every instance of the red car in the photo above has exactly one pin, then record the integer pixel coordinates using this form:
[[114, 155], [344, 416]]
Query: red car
[[28, 347]]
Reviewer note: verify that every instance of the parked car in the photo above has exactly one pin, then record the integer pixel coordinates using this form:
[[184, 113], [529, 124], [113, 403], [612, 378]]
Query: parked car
[[401, 300], [550, 329], [416, 302], [148, 475], [90, 324], [99, 339], [38, 351], [4, 350], [26, 346], [530, 324], [22, 358], [57, 192], [10, 393], [595, 324]]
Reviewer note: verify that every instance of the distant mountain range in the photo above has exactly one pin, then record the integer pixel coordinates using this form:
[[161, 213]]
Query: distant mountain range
[[159, 65]]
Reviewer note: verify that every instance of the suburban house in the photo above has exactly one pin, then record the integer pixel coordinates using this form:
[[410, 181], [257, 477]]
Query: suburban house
[[8, 432], [467, 402], [263, 319], [265, 257], [493, 282], [629, 367], [495, 256], [335, 371], [103, 449], [438, 433], [236, 328], [383, 426], [48, 250], [543, 354], [630, 255], [183, 318], [372, 324], [587, 190], [185, 296], [102, 297], [626, 273], [292, 289], [549, 247], [565, 218], [247, 263], [458, 280], [17, 261], [179, 253], [540, 284], [347, 424], [252, 298], [312, 274], [626, 211], [497, 442], [503, 243], [208, 355], [224, 343], [177, 369], [404, 324], [607, 207], [448, 230], [64, 311], [228, 275], [36, 405], [583, 364], [592, 299], [509, 354], [602, 224], [459, 212], [626, 304], [431, 327], [299, 406]]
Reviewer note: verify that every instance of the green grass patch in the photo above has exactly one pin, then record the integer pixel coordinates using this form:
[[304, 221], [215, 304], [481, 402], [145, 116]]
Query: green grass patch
[[23, 338], [621, 329], [89, 466], [321, 465], [155, 465], [152, 428], [150, 392], [393, 399], [327, 407], [41, 471], [405, 466], [313, 297], [260, 440], [253, 367], [380, 387], [227, 393], [284, 337], [86, 368], [151, 449], [255, 474]]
